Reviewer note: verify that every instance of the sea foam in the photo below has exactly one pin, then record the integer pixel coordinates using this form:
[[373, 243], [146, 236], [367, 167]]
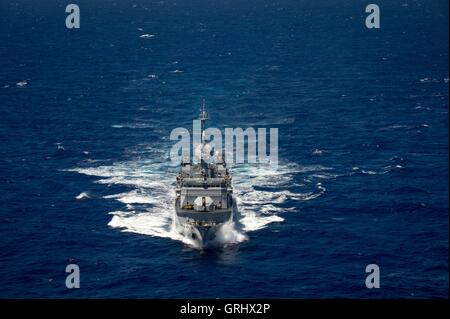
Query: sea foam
[[262, 195]]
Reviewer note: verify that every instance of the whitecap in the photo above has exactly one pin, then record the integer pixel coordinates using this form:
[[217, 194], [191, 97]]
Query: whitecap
[[369, 172], [22, 83], [83, 195], [147, 36]]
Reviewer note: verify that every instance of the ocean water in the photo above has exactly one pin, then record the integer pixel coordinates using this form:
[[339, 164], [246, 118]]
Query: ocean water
[[86, 116]]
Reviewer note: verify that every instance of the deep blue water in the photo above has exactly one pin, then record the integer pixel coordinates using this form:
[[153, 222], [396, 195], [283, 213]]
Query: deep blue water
[[363, 133]]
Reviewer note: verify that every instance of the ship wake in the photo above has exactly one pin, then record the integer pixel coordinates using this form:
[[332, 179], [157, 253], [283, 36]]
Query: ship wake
[[262, 195]]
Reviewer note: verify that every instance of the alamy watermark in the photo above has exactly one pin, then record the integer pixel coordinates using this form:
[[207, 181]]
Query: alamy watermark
[[373, 279], [238, 145], [373, 19], [73, 19], [73, 279]]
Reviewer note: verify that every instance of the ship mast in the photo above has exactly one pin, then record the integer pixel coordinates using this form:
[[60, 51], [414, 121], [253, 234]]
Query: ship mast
[[203, 117]]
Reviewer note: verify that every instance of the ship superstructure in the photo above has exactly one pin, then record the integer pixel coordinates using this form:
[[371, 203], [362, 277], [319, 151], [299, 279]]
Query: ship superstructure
[[204, 197]]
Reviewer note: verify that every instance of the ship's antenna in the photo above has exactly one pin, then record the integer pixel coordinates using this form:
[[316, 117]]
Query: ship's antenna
[[203, 118]]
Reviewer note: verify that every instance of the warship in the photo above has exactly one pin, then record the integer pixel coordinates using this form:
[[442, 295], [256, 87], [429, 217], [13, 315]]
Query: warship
[[204, 194]]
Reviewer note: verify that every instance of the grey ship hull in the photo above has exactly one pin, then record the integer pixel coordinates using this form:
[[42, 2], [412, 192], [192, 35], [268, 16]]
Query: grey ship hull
[[203, 225], [204, 235]]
